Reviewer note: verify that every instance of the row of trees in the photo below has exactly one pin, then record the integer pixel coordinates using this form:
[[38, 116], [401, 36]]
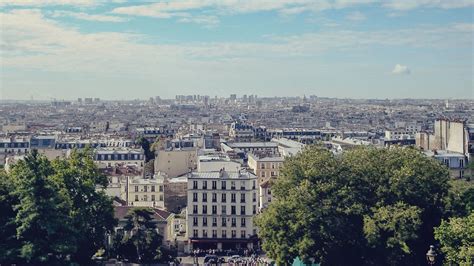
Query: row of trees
[[366, 206], [54, 213]]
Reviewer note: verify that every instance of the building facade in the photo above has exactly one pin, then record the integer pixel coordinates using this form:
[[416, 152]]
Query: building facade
[[220, 210]]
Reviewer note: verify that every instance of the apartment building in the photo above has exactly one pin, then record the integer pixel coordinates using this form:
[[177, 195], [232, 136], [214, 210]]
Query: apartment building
[[265, 166], [220, 209], [109, 157], [175, 162], [13, 146], [142, 192]]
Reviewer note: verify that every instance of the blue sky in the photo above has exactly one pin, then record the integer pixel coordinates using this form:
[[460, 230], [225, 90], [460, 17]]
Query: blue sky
[[335, 48]]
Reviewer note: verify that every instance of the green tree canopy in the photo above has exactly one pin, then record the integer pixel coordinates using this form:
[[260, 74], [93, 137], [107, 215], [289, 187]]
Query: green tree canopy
[[366, 206], [456, 237], [57, 209], [140, 241]]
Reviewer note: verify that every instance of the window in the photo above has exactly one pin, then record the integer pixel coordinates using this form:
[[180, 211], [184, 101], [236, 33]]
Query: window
[[253, 184], [161, 197], [461, 163], [136, 188], [232, 209], [233, 222], [446, 162], [242, 197], [242, 222], [152, 188], [273, 166], [214, 221], [204, 209], [269, 192], [234, 233], [224, 209], [214, 184], [161, 188], [224, 222], [195, 221], [242, 185], [232, 185], [223, 186], [242, 234], [262, 166], [214, 209], [195, 184], [242, 210], [204, 233], [224, 233], [204, 197], [204, 221], [254, 211], [204, 184], [136, 197], [214, 197], [223, 197], [195, 233], [145, 189], [145, 198], [254, 197], [214, 233], [195, 197], [263, 174], [152, 197], [195, 209]]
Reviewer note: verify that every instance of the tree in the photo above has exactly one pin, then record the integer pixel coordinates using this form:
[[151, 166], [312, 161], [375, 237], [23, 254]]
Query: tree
[[460, 199], [57, 209], [456, 237], [375, 206], [92, 213], [9, 245], [42, 213], [145, 144], [140, 242]]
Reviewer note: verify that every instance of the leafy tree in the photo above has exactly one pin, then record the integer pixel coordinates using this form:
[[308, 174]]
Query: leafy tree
[[145, 144], [57, 210], [92, 213], [42, 218], [375, 206], [391, 227], [141, 242], [456, 237], [9, 245], [460, 199]]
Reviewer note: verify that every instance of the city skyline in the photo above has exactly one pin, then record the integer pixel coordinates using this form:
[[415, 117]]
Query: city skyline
[[344, 49]]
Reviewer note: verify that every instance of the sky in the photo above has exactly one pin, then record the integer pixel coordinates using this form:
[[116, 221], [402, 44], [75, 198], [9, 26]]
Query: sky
[[53, 49]]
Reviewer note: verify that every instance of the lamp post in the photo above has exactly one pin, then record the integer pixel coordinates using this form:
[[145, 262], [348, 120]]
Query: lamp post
[[431, 256]]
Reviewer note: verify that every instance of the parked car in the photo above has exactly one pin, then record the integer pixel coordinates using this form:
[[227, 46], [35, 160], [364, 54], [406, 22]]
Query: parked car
[[211, 259], [235, 259]]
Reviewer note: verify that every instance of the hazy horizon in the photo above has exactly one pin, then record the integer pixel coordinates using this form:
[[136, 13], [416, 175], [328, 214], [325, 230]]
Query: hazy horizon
[[123, 50]]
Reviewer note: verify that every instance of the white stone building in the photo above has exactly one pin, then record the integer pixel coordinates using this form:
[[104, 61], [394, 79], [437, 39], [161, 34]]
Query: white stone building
[[220, 209]]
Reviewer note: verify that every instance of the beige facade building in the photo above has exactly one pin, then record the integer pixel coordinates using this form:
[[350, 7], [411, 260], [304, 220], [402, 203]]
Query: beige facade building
[[175, 162], [264, 166], [142, 192]]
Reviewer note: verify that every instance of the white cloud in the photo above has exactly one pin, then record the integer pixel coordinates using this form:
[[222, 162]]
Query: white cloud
[[412, 4], [31, 40], [39, 3], [401, 69], [89, 17], [207, 21], [356, 16]]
